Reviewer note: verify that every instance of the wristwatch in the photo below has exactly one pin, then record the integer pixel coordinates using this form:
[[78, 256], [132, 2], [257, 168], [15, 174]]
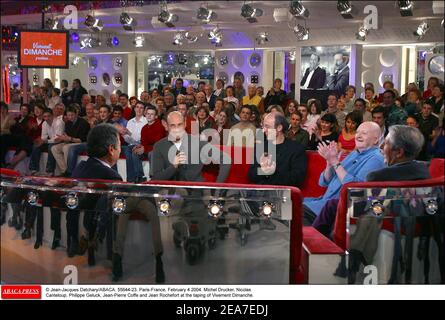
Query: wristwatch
[[335, 166]]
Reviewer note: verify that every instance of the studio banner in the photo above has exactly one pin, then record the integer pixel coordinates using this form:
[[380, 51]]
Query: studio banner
[[43, 49]]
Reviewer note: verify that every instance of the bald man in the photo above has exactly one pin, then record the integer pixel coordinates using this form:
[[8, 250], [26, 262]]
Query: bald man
[[354, 168], [175, 157]]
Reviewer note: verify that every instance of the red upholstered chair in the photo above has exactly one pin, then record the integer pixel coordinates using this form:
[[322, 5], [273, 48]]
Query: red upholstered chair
[[242, 158], [315, 166], [437, 167], [340, 235], [9, 172]]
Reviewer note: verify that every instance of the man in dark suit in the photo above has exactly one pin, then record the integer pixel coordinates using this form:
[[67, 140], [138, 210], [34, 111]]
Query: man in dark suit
[[104, 148], [76, 94], [340, 79], [314, 77]]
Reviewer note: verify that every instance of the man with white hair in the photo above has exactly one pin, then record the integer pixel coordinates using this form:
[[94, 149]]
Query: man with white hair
[[252, 99], [210, 98], [354, 168]]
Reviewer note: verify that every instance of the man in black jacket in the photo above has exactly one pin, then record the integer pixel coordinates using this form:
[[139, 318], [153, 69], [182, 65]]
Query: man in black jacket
[[104, 148], [314, 77], [76, 94], [275, 94]]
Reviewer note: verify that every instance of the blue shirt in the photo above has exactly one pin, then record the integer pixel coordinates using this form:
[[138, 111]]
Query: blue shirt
[[357, 165], [122, 121]]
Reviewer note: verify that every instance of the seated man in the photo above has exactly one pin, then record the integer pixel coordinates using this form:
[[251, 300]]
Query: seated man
[[153, 131], [287, 166], [400, 151], [132, 135], [51, 128], [76, 131], [174, 158], [354, 168], [104, 149]]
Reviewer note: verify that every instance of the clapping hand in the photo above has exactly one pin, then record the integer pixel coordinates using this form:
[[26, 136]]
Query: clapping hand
[[329, 152]]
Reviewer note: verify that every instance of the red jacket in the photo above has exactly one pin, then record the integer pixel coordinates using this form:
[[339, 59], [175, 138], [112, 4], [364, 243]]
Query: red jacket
[[127, 114], [152, 134]]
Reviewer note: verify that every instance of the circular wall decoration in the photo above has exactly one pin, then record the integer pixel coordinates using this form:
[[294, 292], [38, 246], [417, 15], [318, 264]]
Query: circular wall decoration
[[239, 75], [106, 79], [254, 60], [388, 57], [238, 60], [92, 63], [117, 63], [117, 79], [384, 76], [223, 76], [223, 61], [367, 76], [369, 57], [436, 65]]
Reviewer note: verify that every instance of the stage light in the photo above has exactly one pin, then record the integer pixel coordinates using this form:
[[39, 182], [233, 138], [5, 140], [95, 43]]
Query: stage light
[[75, 37], [297, 9], [345, 9], [361, 33], [51, 24], [178, 39], [164, 206], [71, 200], [128, 23], [93, 23], [377, 207], [206, 60], [262, 38], [266, 209], [32, 198], [216, 36], [119, 205], [215, 208], [76, 61], [421, 30], [190, 38], [301, 32], [292, 56], [196, 65], [113, 42], [205, 15], [139, 41], [166, 17], [431, 206], [85, 43], [251, 13], [406, 8]]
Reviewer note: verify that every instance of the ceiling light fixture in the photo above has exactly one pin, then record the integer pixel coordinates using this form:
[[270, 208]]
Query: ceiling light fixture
[[205, 15], [216, 36], [250, 13], [345, 9], [297, 9], [128, 23], [166, 17], [262, 38], [406, 8], [302, 33], [139, 41], [421, 30], [93, 23], [361, 33]]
